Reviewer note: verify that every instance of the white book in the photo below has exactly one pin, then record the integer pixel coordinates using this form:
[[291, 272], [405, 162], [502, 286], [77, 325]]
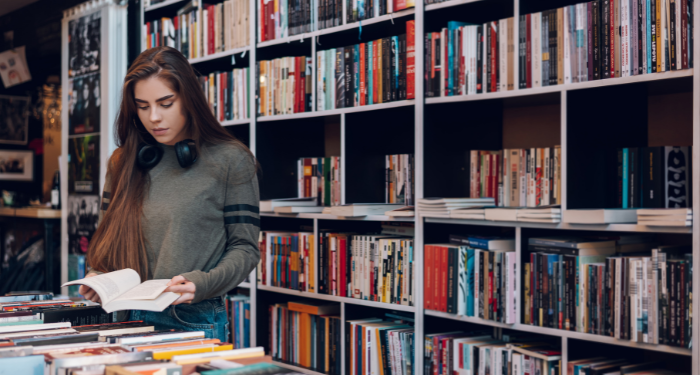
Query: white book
[[272, 204], [297, 210], [661, 223], [501, 214], [643, 219], [599, 216], [34, 327], [536, 53], [123, 290], [567, 46], [8, 336], [664, 211], [503, 54]]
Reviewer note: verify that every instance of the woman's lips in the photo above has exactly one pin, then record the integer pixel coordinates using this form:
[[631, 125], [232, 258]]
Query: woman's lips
[[160, 131]]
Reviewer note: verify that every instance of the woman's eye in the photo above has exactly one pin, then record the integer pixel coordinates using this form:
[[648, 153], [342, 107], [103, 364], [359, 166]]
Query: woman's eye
[[167, 105], [143, 107]]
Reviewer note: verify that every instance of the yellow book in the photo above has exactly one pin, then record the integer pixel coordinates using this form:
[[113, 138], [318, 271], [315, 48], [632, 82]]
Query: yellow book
[[169, 354], [223, 356]]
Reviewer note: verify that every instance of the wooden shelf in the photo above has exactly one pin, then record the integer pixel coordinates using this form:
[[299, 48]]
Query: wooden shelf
[[337, 29], [567, 226], [339, 111], [335, 217], [31, 212], [563, 333], [162, 5], [560, 88], [219, 55], [326, 297]]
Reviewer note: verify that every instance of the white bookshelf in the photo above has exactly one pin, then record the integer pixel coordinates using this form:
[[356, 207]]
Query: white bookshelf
[[419, 108]]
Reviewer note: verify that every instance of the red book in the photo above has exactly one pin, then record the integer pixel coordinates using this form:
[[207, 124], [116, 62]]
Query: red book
[[684, 34], [612, 37], [270, 18], [342, 282], [528, 52], [462, 66], [363, 69], [410, 59], [297, 83], [375, 84], [399, 5], [443, 278], [494, 56], [263, 35], [211, 11], [496, 173], [427, 276], [447, 38]]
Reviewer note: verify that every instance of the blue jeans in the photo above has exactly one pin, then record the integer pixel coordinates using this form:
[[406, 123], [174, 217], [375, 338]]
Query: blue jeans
[[208, 316]]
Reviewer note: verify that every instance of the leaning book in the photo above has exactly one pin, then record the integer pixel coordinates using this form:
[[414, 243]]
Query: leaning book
[[123, 290]]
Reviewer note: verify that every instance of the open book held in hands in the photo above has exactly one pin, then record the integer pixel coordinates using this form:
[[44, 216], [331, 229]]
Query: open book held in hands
[[123, 290]]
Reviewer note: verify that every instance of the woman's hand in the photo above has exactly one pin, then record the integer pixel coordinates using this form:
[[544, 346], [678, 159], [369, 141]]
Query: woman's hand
[[182, 286], [87, 292]]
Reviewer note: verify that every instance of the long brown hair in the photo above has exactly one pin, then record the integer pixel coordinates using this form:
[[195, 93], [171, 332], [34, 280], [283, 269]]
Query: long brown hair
[[119, 241]]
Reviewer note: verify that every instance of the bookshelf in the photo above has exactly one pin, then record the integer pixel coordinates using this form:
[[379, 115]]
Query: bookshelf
[[436, 130]]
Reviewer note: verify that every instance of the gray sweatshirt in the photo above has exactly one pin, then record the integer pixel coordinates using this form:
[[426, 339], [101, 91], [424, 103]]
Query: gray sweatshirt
[[202, 222]]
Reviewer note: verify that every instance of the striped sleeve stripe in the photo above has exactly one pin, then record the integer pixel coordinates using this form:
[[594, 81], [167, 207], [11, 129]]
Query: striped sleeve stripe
[[242, 207], [242, 220], [105, 206], [106, 195]]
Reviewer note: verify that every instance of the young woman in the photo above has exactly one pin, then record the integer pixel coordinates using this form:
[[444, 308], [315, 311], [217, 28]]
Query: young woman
[[181, 198]]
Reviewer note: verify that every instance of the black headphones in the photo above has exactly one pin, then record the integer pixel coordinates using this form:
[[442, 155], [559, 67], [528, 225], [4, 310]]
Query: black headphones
[[149, 155]]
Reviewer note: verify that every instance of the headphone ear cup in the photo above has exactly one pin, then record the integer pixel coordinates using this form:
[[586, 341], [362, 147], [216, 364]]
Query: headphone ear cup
[[149, 156], [186, 152]]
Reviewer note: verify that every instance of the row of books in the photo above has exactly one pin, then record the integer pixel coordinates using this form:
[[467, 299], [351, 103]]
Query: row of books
[[638, 291], [284, 86], [654, 177], [283, 18], [358, 10], [478, 352], [517, 177], [576, 43], [228, 93], [239, 312], [380, 346], [374, 72], [370, 267], [306, 334], [472, 276], [320, 178], [201, 31], [400, 179]]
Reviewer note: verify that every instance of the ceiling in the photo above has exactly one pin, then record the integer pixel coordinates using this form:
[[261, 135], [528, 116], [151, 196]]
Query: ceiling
[[8, 6]]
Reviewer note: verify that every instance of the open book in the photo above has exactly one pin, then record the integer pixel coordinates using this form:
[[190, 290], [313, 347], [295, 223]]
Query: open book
[[123, 290]]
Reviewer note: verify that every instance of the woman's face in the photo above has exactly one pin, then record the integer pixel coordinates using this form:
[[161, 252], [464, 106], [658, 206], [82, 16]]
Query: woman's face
[[160, 110]]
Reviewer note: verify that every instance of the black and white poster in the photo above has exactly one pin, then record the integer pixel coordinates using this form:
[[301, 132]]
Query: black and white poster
[[14, 116], [677, 174], [84, 104], [84, 45], [83, 214]]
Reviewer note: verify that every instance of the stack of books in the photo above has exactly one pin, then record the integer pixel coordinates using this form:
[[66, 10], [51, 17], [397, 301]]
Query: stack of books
[[227, 93], [283, 86], [611, 277], [654, 177], [375, 267], [200, 32], [666, 217], [320, 178], [306, 334], [478, 352], [472, 276], [539, 215], [469, 213], [442, 207], [517, 177], [287, 205], [602, 365], [239, 311], [378, 71], [387, 344]]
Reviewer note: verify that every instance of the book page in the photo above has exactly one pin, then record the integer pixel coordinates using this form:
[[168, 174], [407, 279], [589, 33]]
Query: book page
[[111, 285], [148, 290]]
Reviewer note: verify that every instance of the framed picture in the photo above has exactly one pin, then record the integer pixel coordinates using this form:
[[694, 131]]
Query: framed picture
[[16, 165], [14, 117]]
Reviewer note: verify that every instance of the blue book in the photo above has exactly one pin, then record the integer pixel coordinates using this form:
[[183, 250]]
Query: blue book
[[27, 365], [470, 282], [551, 260], [368, 75], [356, 78], [246, 324], [397, 65], [452, 80], [625, 178], [234, 324]]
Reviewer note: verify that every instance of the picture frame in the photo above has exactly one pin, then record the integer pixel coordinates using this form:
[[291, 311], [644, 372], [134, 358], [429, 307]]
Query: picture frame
[[14, 119], [16, 165]]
